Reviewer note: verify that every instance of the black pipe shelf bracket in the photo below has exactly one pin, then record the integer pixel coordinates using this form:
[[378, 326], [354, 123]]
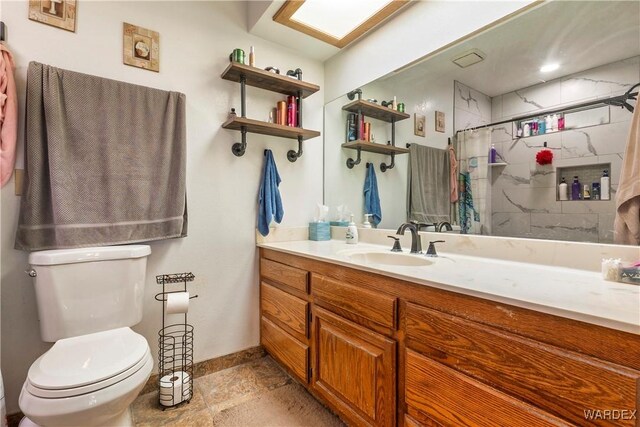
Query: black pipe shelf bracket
[[252, 76]]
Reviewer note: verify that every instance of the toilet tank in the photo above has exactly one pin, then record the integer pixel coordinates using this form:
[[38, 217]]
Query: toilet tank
[[86, 290]]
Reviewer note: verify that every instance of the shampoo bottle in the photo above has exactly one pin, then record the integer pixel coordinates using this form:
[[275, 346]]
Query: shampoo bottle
[[527, 130], [605, 186], [562, 190], [366, 223], [575, 189], [492, 154], [352, 232]]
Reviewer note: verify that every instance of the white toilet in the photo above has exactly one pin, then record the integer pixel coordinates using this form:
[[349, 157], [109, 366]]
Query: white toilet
[[87, 300]]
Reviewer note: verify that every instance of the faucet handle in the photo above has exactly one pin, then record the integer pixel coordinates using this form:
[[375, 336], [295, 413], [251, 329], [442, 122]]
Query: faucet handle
[[396, 244], [431, 252]]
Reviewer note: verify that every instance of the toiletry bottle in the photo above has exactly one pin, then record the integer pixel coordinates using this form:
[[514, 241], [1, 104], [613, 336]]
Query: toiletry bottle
[[561, 122], [575, 189], [534, 127], [395, 103], [232, 114], [554, 122], [252, 57], [547, 123], [542, 127], [367, 223], [492, 154], [586, 193], [595, 191], [292, 111], [605, 186], [527, 130], [562, 190], [352, 232]]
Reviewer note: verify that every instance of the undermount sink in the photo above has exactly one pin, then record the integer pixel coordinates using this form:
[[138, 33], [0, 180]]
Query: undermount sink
[[388, 258]]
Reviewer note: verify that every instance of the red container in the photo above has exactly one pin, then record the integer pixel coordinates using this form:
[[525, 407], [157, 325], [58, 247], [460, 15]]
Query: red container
[[292, 111]]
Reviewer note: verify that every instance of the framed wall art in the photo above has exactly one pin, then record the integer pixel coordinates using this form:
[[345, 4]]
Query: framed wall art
[[419, 124], [141, 47], [439, 121], [57, 13]]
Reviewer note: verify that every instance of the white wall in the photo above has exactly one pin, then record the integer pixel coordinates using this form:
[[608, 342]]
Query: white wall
[[195, 41], [422, 28]]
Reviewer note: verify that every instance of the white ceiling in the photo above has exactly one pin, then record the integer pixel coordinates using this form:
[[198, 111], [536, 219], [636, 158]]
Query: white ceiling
[[577, 34]]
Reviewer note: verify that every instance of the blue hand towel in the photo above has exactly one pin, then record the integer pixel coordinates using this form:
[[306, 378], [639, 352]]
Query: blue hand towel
[[371, 196], [269, 200]]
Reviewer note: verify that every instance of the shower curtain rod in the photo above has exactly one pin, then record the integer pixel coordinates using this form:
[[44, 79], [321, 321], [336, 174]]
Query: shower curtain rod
[[617, 101]]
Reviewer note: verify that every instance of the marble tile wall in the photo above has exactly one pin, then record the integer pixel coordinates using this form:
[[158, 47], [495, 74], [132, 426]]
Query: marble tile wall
[[473, 108], [523, 196]]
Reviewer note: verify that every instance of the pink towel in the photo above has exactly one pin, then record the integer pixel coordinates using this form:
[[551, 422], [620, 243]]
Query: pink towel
[[627, 224], [8, 115], [453, 170]]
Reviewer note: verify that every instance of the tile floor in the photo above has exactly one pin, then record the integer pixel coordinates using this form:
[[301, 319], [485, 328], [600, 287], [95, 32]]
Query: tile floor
[[230, 388]]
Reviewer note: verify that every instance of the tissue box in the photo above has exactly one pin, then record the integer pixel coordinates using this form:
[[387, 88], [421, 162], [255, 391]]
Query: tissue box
[[339, 223], [319, 231], [630, 274]]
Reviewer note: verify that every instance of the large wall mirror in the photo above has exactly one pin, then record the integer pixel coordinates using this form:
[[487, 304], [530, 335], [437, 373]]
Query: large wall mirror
[[556, 79]]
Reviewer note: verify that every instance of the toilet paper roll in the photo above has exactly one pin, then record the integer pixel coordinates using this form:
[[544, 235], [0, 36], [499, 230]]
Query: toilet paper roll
[[178, 302], [175, 388]]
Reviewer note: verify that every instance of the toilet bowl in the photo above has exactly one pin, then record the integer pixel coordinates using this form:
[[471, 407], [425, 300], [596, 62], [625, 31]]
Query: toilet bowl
[[89, 380], [87, 300]]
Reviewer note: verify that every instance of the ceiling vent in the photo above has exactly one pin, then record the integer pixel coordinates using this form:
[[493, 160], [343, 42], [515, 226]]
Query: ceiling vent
[[469, 58]]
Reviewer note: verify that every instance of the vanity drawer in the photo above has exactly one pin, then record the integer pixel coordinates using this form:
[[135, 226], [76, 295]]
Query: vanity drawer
[[377, 307], [290, 276], [559, 381], [286, 349], [284, 309], [451, 398]]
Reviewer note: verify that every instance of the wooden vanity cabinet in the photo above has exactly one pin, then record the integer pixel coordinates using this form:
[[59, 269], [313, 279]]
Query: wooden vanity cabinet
[[354, 369], [284, 316], [384, 352]]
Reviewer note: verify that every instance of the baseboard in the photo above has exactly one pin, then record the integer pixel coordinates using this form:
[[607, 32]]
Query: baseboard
[[200, 369]]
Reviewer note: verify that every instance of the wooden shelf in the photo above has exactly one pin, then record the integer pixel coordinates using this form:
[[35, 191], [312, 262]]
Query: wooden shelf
[[374, 148], [375, 111], [267, 80], [271, 129]]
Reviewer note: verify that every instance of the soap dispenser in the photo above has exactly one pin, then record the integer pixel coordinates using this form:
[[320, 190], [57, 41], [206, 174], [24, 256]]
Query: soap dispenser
[[352, 232], [367, 223]]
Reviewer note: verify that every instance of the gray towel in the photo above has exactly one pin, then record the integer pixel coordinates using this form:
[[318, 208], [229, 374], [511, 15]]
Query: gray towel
[[428, 185], [105, 162]]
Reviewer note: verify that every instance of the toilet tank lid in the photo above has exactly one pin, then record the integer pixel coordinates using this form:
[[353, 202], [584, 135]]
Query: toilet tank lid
[[72, 256]]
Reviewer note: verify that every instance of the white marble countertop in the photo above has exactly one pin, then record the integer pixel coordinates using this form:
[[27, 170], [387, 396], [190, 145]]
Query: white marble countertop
[[571, 293]]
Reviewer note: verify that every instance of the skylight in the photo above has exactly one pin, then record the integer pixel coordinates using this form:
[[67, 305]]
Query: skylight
[[337, 22], [337, 17]]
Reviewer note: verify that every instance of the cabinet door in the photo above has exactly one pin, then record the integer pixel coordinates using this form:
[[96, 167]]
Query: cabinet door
[[354, 369]]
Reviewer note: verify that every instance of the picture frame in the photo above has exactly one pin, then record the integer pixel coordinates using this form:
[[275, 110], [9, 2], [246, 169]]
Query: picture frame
[[419, 124], [57, 13], [141, 47], [440, 124]]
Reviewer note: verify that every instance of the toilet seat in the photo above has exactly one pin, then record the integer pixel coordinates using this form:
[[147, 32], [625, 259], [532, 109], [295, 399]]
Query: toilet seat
[[83, 364]]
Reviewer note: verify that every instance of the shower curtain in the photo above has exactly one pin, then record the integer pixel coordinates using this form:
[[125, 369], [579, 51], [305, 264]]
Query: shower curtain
[[473, 166]]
